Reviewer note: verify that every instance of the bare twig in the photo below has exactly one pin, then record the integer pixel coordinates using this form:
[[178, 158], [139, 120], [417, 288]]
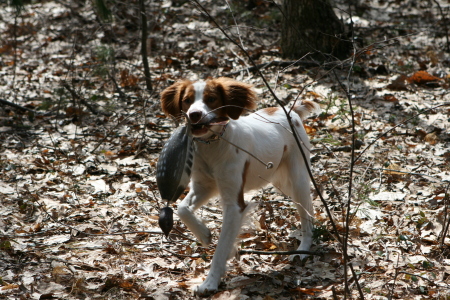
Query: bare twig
[[399, 124], [391, 290], [269, 165], [446, 215], [42, 207], [82, 101], [444, 23], [346, 90], [293, 252], [407, 173], [117, 86], [147, 77], [284, 64], [13, 236], [432, 281], [5, 102]]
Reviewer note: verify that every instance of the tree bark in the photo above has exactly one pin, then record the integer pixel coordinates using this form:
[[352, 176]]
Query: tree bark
[[311, 26]]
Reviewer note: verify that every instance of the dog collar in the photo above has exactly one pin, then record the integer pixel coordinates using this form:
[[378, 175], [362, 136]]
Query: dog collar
[[214, 138]]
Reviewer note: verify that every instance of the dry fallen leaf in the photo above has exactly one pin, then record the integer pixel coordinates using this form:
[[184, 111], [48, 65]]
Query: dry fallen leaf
[[398, 84], [10, 286], [422, 77], [431, 138], [309, 129], [390, 98], [391, 170]]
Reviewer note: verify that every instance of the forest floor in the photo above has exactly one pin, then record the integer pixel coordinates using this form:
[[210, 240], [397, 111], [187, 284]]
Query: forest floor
[[78, 197]]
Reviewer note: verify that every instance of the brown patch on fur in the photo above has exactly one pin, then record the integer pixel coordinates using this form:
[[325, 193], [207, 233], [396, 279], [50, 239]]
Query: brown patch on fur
[[172, 96], [214, 97], [285, 148], [188, 98], [309, 105], [305, 108], [271, 110], [296, 123], [241, 201], [236, 96]]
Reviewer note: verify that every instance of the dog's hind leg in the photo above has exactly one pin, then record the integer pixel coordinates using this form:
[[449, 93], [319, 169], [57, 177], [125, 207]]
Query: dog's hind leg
[[297, 186], [301, 195]]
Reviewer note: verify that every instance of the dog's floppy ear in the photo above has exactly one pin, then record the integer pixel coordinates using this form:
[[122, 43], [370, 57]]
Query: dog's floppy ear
[[171, 98], [236, 96]]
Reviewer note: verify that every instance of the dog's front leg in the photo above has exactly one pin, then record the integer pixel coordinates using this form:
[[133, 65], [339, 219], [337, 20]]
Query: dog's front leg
[[231, 189], [197, 196], [232, 219]]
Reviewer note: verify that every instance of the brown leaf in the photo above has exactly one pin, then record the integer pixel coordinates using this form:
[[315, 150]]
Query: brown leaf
[[212, 62], [391, 170], [433, 57], [398, 84], [431, 138], [127, 79], [390, 98], [309, 129], [262, 222], [422, 77], [306, 291], [10, 286]]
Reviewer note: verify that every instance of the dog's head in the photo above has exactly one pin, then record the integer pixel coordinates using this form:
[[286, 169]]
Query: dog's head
[[207, 102]]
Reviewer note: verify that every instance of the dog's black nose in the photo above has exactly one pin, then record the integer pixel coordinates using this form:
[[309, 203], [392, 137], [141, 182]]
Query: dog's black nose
[[195, 116]]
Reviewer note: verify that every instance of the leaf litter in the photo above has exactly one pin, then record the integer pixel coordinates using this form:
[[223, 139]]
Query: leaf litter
[[79, 204]]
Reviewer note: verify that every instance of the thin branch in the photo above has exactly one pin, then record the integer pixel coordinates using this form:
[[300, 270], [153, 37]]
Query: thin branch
[[399, 124], [282, 64], [42, 207], [432, 281], [269, 164], [75, 96], [147, 77], [5, 102], [13, 236], [444, 23], [346, 90], [446, 216], [404, 172], [293, 252]]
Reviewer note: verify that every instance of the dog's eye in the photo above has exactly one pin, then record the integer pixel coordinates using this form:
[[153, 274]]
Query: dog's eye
[[187, 101], [211, 99]]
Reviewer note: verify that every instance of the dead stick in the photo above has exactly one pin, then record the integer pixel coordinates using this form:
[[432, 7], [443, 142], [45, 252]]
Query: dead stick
[[5, 102], [243, 251]]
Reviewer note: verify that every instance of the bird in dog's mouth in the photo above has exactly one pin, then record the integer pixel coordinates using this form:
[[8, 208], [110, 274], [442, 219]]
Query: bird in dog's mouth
[[200, 129]]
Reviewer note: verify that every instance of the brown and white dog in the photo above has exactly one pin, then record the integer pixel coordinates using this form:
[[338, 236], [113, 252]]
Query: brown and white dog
[[221, 169]]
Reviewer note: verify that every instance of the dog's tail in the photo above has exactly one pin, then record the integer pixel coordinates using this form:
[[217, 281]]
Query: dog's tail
[[306, 108]]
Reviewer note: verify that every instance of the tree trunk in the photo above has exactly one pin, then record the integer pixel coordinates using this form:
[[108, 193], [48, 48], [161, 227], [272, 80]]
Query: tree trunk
[[311, 26]]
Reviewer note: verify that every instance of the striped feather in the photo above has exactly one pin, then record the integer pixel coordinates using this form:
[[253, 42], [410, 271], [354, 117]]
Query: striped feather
[[173, 169]]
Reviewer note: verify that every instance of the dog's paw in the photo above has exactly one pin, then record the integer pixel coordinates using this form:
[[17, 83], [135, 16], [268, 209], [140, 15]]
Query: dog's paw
[[298, 257], [206, 237], [206, 289]]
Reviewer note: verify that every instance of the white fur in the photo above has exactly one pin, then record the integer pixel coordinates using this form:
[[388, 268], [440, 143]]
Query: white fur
[[218, 171]]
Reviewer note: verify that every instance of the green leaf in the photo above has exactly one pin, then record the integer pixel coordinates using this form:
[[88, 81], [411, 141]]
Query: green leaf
[[5, 245], [403, 237], [427, 264]]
